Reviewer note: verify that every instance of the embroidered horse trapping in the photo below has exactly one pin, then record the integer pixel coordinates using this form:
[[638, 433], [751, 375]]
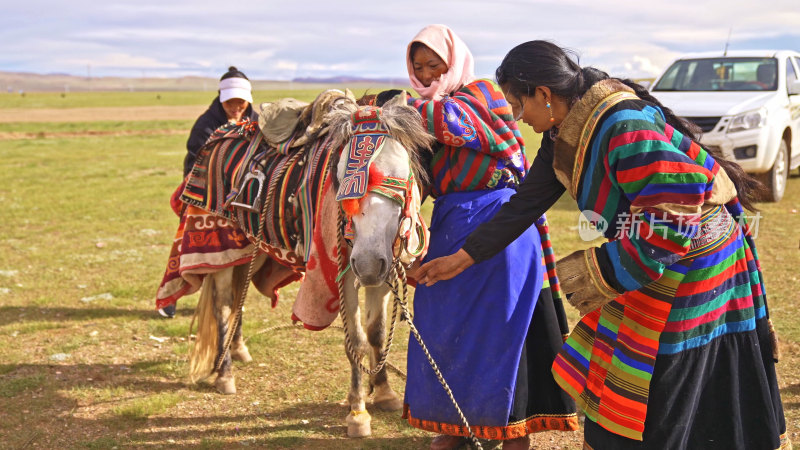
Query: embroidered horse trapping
[[368, 137], [298, 231], [204, 244], [287, 186]]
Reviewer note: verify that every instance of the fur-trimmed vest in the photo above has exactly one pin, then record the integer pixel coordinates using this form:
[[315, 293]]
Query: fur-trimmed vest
[[577, 130]]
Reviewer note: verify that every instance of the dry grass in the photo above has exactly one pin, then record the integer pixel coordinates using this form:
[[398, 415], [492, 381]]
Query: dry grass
[[85, 237]]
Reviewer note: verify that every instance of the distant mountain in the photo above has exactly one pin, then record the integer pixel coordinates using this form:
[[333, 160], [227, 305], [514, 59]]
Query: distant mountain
[[349, 79], [14, 82]]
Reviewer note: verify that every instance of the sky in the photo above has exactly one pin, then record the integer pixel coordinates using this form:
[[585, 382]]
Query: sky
[[282, 40]]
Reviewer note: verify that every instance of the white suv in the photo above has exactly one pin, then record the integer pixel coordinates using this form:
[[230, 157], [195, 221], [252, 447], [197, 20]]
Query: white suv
[[747, 104]]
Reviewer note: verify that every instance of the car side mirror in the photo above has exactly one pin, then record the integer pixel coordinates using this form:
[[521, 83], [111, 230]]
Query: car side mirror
[[794, 87]]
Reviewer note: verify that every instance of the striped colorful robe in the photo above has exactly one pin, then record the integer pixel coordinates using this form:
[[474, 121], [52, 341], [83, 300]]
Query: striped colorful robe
[[654, 193], [476, 118]]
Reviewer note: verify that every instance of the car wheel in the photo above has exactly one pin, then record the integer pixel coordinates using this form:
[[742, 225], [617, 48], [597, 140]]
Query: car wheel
[[775, 179]]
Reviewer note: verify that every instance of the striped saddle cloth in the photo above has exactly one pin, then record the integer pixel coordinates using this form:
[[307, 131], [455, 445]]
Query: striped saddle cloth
[[239, 176]]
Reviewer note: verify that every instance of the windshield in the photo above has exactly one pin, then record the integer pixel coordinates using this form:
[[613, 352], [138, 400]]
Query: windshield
[[721, 74]]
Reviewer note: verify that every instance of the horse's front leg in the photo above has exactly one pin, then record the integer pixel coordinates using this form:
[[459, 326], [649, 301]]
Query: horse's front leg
[[358, 420], [377, 299]]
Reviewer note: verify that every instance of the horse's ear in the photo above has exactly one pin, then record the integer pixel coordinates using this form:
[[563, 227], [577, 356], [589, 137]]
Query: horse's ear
[[400, 99]]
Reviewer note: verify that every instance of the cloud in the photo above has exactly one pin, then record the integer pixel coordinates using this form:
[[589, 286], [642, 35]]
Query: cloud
[[281, 40], [121, 61]]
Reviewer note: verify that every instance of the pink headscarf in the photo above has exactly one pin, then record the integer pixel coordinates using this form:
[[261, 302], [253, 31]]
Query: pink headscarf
[[453, 51]]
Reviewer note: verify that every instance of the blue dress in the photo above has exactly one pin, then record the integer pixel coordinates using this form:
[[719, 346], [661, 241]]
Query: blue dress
[[475, 324]]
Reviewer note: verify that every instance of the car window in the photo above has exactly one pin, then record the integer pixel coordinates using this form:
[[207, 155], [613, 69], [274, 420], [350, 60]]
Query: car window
[[791, 75], [721, 74]]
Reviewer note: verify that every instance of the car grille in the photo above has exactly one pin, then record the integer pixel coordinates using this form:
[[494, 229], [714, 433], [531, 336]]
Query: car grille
[[705, 123]]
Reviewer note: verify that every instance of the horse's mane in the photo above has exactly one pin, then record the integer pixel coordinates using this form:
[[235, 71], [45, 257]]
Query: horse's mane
[[402, 122]]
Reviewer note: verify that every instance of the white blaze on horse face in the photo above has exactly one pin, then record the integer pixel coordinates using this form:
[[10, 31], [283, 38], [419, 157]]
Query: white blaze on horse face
[[376, 225]]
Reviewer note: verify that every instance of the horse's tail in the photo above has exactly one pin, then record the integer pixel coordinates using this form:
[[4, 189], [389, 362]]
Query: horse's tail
[[204, 352]]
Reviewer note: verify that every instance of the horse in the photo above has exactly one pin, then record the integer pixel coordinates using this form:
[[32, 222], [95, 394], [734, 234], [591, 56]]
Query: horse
[[366, 214]]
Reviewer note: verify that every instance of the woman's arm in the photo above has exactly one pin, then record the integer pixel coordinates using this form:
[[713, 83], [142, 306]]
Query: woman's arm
[[538, 192], [200, 133]]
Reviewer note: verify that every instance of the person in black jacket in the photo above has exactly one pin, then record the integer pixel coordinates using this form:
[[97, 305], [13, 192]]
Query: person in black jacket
[[233, 104]]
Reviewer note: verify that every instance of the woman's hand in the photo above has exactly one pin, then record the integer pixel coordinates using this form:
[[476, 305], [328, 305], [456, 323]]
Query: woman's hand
[[443, 268]]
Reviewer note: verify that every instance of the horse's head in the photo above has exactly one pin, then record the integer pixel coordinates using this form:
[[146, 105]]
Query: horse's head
[[377, 189]]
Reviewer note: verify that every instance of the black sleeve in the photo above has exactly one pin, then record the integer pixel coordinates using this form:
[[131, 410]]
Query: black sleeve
[[535, 195], [201, 131]]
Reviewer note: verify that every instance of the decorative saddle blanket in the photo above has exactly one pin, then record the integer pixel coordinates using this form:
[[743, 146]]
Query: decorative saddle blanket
[[237, 175], [234, 175]]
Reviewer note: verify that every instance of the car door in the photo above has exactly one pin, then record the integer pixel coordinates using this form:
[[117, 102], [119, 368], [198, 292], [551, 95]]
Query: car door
[[792, 66]]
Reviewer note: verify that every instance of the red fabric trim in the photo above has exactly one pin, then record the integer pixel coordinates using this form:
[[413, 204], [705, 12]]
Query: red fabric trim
[[307, 326], [533, 424]]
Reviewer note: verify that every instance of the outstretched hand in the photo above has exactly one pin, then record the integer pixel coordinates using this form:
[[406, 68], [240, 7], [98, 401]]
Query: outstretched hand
[[443, 268]]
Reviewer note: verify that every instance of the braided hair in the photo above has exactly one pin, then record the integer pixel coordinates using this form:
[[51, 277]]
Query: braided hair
[[542, 63]]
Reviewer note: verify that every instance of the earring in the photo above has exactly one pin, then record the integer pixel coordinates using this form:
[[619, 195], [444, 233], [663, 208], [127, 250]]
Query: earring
[[549, 108]]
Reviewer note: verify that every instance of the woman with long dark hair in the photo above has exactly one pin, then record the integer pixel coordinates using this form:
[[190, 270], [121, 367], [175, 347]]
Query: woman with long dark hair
[[675, 348]]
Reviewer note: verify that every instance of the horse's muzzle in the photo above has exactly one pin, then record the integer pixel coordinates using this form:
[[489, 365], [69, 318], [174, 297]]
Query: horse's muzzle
[[371, 271]]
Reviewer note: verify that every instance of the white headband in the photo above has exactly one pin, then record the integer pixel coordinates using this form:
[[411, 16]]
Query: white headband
[[235, 87]]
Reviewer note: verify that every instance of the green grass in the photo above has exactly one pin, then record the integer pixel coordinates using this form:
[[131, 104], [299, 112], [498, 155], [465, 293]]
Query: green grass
[[15, 386], [100, 126], [170, 98], [86, 216], [98, 395], [142, 408], [100, 443]]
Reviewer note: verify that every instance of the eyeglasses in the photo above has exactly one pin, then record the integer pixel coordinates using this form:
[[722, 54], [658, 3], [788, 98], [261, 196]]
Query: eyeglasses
[[518, 117]]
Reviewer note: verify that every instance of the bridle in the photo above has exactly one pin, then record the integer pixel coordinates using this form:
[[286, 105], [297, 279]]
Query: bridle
[[369, 136]]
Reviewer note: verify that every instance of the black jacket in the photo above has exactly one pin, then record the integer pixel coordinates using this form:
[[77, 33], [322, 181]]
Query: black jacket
[[209, 121]]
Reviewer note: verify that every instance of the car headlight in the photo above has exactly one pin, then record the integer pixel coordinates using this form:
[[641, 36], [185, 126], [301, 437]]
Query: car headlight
[[748, 121]]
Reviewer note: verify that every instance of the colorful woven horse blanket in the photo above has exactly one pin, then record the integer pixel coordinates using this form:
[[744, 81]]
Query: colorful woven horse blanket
[[205, 243], [289, 183], [680, 254], [292, 184], [202, 244]]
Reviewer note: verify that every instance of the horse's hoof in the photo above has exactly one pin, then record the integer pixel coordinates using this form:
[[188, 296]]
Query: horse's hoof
[[241, 353], [358, 424], [386, 399], [225, 385], [388, 404]]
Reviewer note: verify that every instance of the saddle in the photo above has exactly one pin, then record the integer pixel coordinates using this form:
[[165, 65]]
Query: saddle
[[277, 169], [279, 121]]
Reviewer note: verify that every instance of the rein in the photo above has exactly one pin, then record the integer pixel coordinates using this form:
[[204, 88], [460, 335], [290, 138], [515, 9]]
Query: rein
[[239, 302], [355, 187], [399, 281]]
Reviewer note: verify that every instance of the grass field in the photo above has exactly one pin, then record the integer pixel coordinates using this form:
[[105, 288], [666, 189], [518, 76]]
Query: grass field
[[86, 363]]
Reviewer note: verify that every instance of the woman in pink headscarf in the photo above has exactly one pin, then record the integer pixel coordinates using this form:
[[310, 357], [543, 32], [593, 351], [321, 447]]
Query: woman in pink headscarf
[[492, 340]]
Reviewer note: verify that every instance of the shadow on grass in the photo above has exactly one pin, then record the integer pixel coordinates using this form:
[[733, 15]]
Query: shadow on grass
[[22, 314], [56, 410], [303, 425], [791, 391]]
